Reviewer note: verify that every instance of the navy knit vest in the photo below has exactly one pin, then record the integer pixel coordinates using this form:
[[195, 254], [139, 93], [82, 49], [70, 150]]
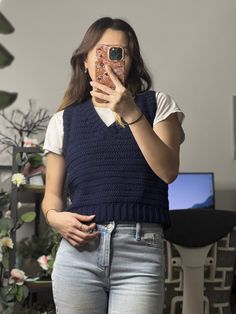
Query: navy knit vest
[[107, 174]]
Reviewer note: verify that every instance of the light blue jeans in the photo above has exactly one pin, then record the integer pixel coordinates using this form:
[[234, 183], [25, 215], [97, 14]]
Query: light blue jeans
[[120, 272]]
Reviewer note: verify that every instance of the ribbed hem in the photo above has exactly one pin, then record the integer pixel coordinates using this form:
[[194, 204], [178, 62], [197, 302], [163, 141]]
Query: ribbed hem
[[125, 212]]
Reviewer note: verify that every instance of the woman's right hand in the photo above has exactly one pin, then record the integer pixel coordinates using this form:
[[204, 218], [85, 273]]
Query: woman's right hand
[[75, 228]]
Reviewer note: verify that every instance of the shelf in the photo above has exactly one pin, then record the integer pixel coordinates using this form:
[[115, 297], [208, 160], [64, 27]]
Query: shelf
[[28, 193], [32, 188], [39, 285]]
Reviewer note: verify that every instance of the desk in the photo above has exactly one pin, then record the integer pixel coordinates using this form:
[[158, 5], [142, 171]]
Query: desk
[[193, 232]]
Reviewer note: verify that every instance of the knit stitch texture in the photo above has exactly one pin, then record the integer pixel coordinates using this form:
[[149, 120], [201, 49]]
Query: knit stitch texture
[[107, 174]]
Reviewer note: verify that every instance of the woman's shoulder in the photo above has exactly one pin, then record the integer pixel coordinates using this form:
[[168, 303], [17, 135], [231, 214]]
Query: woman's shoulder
[[167, 105], [54, 134], [58, 114], [56, 122], [160, 97], [57, 117], [163, 97]]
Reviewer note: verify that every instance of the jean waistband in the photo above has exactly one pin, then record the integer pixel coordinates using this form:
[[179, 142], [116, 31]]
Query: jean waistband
[[130, 224], [123, 227]]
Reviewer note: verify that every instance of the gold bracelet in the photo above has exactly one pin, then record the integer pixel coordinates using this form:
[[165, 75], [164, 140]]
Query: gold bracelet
[[46, 214]]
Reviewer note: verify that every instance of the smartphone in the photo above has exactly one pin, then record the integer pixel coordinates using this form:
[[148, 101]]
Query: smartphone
[[114, 56]]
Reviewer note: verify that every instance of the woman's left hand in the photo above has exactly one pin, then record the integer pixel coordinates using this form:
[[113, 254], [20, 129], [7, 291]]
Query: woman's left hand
[[119, 100]]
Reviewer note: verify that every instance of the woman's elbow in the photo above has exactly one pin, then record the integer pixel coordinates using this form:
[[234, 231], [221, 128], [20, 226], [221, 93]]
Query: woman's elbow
[[169, 175], [171, 171], [170, 178]]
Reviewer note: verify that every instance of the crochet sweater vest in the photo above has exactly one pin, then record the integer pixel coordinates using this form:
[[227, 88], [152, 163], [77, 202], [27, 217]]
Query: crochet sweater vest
[[107, 175]]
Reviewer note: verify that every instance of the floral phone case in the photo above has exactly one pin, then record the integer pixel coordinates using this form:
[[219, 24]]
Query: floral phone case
[[102, 58]]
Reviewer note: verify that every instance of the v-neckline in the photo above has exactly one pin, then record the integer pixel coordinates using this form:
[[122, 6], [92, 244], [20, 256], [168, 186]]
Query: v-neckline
[[96, 121]]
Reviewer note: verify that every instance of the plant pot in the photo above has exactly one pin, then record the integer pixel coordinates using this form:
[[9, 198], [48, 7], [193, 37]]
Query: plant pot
[[31, 267]]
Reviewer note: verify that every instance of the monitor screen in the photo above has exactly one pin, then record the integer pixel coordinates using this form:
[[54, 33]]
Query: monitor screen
[[192, 190]]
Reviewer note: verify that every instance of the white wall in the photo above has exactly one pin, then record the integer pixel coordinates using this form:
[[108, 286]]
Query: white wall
[[189, 46]]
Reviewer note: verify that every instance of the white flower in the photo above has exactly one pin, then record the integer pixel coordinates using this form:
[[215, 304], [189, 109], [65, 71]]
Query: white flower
[[17, 276], [7, 214], [43, 261], [30, 142], [18, 179], [6, 241], [19, 205]]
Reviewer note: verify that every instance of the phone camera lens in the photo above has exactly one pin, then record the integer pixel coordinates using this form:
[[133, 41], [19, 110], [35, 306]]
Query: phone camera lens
[[116, 53]]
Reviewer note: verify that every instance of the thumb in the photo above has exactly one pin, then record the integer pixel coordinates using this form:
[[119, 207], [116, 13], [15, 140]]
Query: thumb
[[84, 217]]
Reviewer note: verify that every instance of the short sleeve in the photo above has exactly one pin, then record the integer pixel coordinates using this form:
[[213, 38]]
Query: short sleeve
[[54, 134], [165, 107]]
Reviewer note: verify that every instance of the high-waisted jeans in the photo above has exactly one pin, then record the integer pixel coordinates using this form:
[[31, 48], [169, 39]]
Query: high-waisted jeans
[[120, 272]]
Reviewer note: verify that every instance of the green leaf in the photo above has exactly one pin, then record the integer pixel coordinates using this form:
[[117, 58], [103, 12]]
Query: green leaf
[[20, 294], [3, 233], [18, 159], [50, 264], [6, 99], [6, 57], [26, 291], [21, 159], [4, 200], [6, 223], [35, 160], [13, 290], [28, 217], [54, 251], [5, 260], [5, 26]]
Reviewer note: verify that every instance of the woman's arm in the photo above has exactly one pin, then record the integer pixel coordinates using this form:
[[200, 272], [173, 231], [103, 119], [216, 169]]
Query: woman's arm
[[55, 178], [74, 227], [160, 145]]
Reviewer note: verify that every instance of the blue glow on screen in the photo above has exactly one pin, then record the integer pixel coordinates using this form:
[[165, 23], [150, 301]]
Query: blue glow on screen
[[192, 190]]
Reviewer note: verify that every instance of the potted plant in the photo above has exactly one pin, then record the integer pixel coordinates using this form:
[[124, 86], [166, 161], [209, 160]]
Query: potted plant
[[38, 253], [34, 169], [12, 287]]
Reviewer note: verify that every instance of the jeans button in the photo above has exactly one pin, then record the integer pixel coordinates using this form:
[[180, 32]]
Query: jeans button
[[109, 226]]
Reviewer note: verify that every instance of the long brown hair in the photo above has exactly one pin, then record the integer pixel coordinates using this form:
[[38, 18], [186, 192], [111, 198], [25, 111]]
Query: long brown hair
[[138, 79]]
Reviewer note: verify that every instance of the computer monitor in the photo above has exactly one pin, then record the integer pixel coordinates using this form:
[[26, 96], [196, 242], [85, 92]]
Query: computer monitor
[[192, 190]]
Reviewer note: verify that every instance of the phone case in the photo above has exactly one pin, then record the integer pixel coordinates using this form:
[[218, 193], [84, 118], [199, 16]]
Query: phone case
[[102, 58]]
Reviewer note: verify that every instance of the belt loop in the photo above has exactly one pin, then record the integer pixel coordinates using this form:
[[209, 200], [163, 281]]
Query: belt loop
[[138, 231]]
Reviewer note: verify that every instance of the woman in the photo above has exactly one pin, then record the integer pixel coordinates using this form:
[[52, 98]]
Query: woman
[[119, 149]]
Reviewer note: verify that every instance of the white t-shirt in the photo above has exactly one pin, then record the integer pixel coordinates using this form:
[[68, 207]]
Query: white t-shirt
[[54, 133]]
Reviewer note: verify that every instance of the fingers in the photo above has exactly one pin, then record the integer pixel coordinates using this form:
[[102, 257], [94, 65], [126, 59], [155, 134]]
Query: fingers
[[75, 228], [79, 238], [84, 223], [83, 230], [115, 80], [100, 96], [113, 77], [107, 95], [102, 87], [77, 241], [86, 227], [84, 218], [83, 236]]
